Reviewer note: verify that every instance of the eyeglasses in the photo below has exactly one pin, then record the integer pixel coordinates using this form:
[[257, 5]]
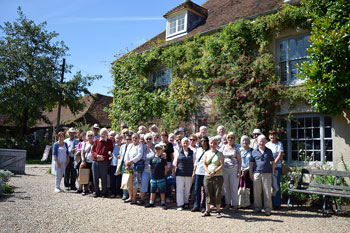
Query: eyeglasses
[[178, 140], [192, 139], [128, 139], [148, 139], [230, 138]]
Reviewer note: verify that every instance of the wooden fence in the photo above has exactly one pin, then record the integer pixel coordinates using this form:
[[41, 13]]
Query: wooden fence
[[13, 160]]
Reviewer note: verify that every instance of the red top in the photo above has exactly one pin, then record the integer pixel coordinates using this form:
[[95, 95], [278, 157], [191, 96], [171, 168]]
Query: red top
[[102, 147]]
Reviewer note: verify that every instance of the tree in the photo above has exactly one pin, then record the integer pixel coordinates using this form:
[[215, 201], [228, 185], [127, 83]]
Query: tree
[[327, 74], [31, 58]]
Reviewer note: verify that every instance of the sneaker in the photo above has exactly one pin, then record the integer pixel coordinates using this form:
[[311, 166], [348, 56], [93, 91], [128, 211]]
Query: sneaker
[[95, 195], [57, 190], [66, 188], [218, 214], [149, 205], [179, 208], [79, 191], [124, 198], [212, 206], [206, 213], [141, 202], [163, 206], [83, 193]]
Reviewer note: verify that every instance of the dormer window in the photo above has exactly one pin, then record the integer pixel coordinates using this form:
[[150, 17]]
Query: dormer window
[[184, 18], [176, 24]]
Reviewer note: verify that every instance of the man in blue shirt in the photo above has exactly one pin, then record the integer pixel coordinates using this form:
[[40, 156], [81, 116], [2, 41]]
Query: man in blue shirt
[[262, 166], [70, 174]]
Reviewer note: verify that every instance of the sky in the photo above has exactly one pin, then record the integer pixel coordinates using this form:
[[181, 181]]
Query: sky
[[95, 30]]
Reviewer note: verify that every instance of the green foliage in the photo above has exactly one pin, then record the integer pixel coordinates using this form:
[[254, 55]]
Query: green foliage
[[4, 178], [232, 67], [30, 59], [328, 71], [34, 150]]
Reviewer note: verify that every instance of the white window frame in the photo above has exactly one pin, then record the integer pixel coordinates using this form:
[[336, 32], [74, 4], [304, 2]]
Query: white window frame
[[290, 80], [322, 138], [177, 33]]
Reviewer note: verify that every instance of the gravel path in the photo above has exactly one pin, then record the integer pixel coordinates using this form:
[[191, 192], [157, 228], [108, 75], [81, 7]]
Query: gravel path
[[34, 207]]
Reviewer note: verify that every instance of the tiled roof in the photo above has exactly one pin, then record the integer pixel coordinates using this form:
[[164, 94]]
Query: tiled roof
[[188, 5], [91, 114], [221, 12]]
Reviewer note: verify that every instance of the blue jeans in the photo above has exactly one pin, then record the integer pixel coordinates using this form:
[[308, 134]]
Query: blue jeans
[[146, 177], [198, 184], [277, 200]]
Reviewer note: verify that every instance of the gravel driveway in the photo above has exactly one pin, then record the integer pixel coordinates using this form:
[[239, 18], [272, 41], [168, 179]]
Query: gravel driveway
[[34, 207]]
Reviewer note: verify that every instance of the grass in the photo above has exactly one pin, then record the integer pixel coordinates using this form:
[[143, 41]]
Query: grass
[[37, 161]]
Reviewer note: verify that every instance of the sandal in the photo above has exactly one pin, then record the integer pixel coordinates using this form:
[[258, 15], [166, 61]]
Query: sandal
[[206, 213]]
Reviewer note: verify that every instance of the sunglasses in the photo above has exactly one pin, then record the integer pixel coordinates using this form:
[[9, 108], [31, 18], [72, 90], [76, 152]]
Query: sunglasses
[[128, 139], [192, 139], [148, 139]]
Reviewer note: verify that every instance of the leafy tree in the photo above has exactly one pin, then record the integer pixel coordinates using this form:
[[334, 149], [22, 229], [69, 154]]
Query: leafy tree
[[327, 74], [30, 58]]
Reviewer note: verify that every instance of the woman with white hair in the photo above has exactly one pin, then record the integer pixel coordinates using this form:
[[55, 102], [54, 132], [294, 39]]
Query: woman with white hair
[[246, 153], [231, 171], [133, 156], [86, 159], [148, 155], [183, 170]]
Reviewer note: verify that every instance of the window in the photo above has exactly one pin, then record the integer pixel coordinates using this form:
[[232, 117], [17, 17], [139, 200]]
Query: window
[[176, 25], [291, 51], [161, 77], [308, 138]]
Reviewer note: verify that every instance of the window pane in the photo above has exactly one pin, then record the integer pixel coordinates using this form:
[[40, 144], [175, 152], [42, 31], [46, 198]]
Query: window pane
[[295, 155], [283, 71], [294, 133], [300, 48], [301, 145], [328, 121], [309, 145], [301, 122], [309, 155], [181, 24], [316, 133], [317, 144], [300, 133], [317, 156], [329, 145], [283, 51], [294, 71], [308, 122], [308, 133], [294, 145], [294, 123], [328, 132], [292, 48], [329, 156], [316, 121]]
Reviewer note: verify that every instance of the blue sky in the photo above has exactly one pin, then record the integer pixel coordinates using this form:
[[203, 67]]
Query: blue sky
[[95, 30]]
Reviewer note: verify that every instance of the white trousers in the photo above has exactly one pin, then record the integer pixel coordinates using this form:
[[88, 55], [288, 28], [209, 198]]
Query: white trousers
[[231, 182], [59, 174], [183, 189]]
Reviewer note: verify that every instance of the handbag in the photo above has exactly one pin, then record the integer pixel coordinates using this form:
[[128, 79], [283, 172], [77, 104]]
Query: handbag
[[139, 165], [243, 195], [274, 186], [127, 181], [84, 176]]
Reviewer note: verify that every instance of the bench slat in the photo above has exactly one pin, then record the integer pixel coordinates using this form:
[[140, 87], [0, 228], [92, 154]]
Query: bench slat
[[328, 172], [327, 186], [322, 192]]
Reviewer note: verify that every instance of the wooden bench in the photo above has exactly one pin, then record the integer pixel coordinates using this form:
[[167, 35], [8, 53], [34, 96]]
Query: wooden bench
[[325, 190]]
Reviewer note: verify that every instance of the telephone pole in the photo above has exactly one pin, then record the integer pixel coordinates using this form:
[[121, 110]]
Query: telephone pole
[[61, 96]]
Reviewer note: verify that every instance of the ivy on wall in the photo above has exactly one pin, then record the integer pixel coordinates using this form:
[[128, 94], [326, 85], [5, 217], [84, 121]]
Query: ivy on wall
[[233, 67]]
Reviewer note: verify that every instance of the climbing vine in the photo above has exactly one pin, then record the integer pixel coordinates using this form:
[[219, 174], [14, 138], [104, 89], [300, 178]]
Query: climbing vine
[[233, 68]]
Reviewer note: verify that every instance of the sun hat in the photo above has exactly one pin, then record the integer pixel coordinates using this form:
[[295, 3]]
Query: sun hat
[[96, 126], [71, 130], [158, 146], [256, 131]]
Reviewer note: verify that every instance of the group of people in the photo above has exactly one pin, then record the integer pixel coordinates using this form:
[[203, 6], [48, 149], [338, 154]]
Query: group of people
[[150, 161]]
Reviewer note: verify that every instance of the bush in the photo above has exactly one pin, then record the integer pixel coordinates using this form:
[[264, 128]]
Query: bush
[[4, 178]]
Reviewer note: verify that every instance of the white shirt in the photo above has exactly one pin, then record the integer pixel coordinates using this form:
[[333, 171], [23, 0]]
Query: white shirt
[[199, 162], [86, 148], [276, 148], [134, 153]]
